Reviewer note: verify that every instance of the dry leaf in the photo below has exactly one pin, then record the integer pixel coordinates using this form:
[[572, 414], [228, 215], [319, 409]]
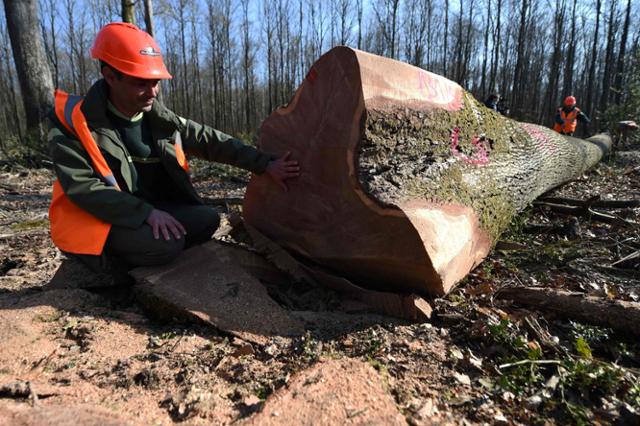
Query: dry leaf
[[462, 378]]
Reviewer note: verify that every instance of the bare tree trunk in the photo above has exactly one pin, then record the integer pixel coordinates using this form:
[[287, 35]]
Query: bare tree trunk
[[619, 77], [129, 11], [386, 14], [186, 98], [51, 48], [269, 36], [301, 63], [394, 28], [495, 55], [280, 43], [429, 7], [196, 67], [359, 9], [518, 74], [80, 54], [483, 81], [458, 48], [246, 63], [216, 43], [148, 17], [71, 39], [466, 57], [445, 51], [13, 97], [34, 74], [592, 64], [609, 58], [558, 32], [227, 99], [567, 88]]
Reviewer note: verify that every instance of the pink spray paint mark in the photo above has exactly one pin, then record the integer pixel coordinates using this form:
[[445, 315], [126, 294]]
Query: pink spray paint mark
[[480, 159], [439, 91], [540, 136]]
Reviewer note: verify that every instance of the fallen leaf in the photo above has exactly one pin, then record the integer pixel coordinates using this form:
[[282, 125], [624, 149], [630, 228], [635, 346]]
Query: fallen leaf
[[610, 291], [462, 378], [508, 396], [427, 410], [456, 353], [534, 345], [251, 400], [474, 360]]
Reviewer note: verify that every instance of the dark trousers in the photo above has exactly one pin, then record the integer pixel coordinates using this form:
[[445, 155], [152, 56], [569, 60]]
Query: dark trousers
[[138, 247]]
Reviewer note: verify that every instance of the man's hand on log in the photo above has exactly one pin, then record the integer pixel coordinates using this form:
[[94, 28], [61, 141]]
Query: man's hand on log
[[282, 169]]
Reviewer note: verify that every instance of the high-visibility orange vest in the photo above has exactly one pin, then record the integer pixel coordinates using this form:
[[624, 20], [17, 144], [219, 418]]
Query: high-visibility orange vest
[[73, 229], [569, 121]]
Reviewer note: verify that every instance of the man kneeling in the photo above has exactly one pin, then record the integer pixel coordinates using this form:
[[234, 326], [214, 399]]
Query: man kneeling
[[123, 189]]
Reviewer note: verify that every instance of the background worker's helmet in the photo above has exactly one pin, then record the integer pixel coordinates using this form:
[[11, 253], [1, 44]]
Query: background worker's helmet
[[569, 101], [129, 50]]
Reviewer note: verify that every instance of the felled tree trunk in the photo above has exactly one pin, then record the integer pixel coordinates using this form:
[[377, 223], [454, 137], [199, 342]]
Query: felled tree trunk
[[407, 181]]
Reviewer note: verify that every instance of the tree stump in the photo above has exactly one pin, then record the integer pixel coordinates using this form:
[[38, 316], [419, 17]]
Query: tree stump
[[407, 181]]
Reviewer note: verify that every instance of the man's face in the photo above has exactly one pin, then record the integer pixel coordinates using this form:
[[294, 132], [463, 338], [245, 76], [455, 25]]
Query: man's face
[[130, 95]]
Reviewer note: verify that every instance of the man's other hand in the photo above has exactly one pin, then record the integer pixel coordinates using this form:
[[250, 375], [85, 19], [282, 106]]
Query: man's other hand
[[162, 221], [282, 169]]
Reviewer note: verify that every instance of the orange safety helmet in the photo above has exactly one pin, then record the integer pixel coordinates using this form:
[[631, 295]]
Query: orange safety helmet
[[569, 101], [129, 50]]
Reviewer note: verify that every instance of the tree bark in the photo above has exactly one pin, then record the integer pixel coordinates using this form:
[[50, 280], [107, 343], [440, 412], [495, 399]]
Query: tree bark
[[609, 58], [34, 74], [398, 188], [571, 54], [619, 315], [555, 66], [519, 74], [483, 81], [592, 64], [129, 11], [445, 51], [621, 56], [148, 17], [495, 55], [246, 63]]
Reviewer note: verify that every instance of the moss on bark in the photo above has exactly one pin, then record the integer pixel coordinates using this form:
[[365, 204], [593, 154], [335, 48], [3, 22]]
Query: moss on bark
[[407, 154]]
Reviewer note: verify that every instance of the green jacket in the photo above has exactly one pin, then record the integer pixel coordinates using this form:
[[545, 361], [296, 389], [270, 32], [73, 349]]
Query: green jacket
[[81, 184]]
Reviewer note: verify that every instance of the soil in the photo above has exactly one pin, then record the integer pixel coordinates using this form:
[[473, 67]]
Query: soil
[[74, 356]]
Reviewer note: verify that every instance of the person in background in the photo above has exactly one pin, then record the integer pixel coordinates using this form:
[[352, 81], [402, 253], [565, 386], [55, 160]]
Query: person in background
[[492, 101], [503, 107], [568, 116]]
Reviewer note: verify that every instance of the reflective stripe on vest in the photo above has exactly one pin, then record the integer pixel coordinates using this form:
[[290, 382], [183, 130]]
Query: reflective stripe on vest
[[182, 159], [73, 229]]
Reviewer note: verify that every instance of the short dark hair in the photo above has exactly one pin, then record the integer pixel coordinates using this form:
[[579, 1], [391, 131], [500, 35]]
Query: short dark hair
[[118, 74]]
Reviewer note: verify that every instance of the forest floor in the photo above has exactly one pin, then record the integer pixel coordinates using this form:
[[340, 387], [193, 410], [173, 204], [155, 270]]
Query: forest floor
[[72, 356]]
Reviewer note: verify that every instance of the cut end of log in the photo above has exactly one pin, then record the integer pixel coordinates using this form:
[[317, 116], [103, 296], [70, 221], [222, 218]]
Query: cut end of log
[[452, 237]]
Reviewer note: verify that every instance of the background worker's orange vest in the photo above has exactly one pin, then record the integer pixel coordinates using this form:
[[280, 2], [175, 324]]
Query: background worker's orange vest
[[73, 229], [569, 121]]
